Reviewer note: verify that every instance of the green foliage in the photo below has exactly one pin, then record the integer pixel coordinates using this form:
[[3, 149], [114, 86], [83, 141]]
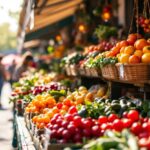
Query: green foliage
[[8, 37], [105, 32]]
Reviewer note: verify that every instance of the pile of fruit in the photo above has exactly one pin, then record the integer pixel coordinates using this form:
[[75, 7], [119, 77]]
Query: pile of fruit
[[133, 50], [144, 23]]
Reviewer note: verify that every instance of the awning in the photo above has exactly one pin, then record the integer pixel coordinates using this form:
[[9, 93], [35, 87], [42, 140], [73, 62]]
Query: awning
[[46, 13]]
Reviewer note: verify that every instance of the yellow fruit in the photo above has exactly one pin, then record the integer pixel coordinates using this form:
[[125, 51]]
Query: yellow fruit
[[101, 92], [129, 50], [146, 58], [124, 58], [122, 49], [138, 53]]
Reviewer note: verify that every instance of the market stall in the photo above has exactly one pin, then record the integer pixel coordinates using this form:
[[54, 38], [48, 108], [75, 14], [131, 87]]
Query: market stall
[[94, 94]]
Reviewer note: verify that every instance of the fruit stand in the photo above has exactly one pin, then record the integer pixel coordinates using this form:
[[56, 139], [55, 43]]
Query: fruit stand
[[98, 99]]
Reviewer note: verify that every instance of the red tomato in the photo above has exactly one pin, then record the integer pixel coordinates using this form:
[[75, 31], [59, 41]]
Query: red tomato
[[118, 125], [72, 110], [133, 115], [96, 131], [86, 123], [106, 126], [59, 105], [102, 119], [112, 117], [136, 128], [146, 126], [77, 121], [127, 123], [144, 142], [125, 114]]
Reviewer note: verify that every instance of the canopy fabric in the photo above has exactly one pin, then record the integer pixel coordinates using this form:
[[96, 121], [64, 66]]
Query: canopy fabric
[[47, 12]]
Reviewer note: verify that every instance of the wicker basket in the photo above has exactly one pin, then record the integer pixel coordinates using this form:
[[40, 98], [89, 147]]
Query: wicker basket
[[134, 72], [74, 70], [110, 72], [87, 72], [82, 71], [95, 72], [68, 70]]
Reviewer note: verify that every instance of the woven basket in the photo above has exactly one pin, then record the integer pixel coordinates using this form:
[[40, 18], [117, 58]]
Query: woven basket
[[68, 70], [110, 72], [74, 70], [134, 72], [95, 72], [87, 72], [82, 71]]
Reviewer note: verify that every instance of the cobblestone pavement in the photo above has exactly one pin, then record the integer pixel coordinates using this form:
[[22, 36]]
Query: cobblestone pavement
[[6, 120]]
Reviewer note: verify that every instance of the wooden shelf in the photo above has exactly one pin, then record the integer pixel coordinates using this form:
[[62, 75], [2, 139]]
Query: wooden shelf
[[23, 136]]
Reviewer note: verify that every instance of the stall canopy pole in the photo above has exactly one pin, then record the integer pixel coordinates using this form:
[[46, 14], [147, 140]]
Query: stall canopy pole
[[25, 23]]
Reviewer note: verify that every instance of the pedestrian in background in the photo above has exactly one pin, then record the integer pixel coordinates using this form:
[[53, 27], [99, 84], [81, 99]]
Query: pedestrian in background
[[3, 77]]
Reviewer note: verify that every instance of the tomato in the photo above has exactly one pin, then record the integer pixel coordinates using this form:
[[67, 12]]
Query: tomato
[[122, 49], [132, 37], [69, 117], [65, 123], [66, 134], [118, 125], [77, 121], [146, 126], [71, 128], [146, 58], [59, 131], [144, 142], [53, 134], [133, 115], [106, 126], [59, 121], [56, 126], [112, 117], [125, 114], [139, 44], [59, 105], [86, 123], [87, 132], [72, 110], [53, 121], [102, 119], [133, 59], [95, 130], [127, 123], [136, 128]]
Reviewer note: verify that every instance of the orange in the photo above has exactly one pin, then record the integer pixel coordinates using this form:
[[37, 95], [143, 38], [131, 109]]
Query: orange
[[89, 95], [146, 58], [146, 49], [46, 119], [133, 59], [115, 50], [122, 49], [123, 43], [129, 50], [50, 114], [124, 58], [138, 53], [55, 110], [139, 44], [80, 99]]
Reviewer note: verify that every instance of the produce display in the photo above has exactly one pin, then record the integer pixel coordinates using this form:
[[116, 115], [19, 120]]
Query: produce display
[[82, 116]]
